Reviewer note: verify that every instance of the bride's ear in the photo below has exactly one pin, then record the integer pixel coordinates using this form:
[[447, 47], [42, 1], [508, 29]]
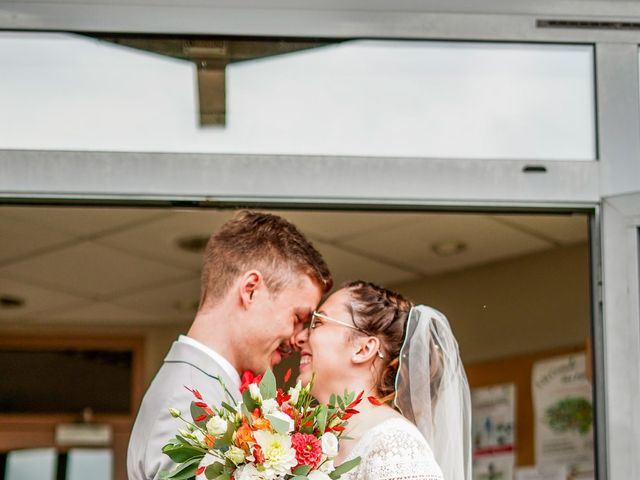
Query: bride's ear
[[367, 350]]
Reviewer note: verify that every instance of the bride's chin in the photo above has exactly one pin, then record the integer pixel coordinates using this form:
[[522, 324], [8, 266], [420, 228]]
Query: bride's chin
[[304, 378]]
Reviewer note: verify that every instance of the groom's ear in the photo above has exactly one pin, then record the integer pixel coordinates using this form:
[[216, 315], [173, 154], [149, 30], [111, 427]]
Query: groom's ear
[[368, 348], [249, 283]]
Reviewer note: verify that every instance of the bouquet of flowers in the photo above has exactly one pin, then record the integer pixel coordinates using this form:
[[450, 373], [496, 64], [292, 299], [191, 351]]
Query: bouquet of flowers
[[269, 435]]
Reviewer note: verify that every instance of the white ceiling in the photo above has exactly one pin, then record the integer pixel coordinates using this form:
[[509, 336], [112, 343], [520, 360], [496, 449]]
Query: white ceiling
[[122, 266]]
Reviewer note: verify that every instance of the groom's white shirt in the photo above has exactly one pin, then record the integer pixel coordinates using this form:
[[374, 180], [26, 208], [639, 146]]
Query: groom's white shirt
[[190, 364], [223, 362]]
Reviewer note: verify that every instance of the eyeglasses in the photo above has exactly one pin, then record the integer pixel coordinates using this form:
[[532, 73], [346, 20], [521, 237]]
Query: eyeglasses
[[312, 325], [315, 314]]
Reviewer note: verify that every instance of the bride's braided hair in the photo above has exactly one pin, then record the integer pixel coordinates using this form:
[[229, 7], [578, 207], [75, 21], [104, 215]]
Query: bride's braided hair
[[382, 313]]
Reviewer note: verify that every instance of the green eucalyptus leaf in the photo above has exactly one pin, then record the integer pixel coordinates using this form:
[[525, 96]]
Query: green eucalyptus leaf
[[268, 385], [223, 443], [248, 401], [229, 408], [214, 470], [322, 418], [302, 470], [279, 425], [198, 412], [224, 476], [185, 470], [182, 453], [344, 468], [247, 414], [349, 397]]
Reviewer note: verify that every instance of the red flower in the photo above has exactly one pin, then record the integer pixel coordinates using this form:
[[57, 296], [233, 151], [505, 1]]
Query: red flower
[[308, 449], [281, 397], [200, 470], [258, 455], [247, 379], [288, 409], [195, 392]]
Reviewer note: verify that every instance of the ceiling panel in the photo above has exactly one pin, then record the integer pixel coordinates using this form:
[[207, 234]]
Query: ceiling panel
[[157, 239], [97, 313], [36, 299], [20, 238], [345, 266], [411, 244], [81, 222], [563, 229], [335, 226], [178, 301], [92, 270]]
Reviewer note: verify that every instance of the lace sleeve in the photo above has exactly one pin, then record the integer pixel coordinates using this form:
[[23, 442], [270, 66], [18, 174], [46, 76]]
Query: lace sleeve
[[396, 451]]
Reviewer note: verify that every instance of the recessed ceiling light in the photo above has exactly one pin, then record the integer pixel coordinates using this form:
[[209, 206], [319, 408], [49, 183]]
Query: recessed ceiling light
[[11, 301], [192, 243], [448, 248]]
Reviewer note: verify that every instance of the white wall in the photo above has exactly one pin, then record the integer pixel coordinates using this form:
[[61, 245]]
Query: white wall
[[533, 303]]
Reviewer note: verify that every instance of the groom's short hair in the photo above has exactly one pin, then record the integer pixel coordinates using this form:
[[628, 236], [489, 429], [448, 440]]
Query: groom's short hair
[[261, 241]]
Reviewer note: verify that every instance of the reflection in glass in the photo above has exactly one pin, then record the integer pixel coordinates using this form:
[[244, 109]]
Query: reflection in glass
[[32, 464], [93, 463], [377, 98]]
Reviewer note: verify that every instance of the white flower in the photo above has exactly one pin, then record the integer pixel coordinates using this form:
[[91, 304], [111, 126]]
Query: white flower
[[269, 405], [329, 444], [284, 417], [254, 391], [327, 467], [247, 472], [278, 454], [318, 475], [295, 393], [235, 454], [216, 426]]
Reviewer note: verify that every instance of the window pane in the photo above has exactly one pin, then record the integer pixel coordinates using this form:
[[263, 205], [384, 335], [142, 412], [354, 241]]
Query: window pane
[[33, 464], [93, 463], [382, 98]]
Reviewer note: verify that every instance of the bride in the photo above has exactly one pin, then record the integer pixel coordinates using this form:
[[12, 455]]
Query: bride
[[365, 337]]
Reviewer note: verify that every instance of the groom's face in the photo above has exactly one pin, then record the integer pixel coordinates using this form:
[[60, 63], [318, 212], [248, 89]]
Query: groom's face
[[278, 318]]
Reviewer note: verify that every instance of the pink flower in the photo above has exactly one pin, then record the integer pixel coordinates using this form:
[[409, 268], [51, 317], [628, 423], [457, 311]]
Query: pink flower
[[308, 449]]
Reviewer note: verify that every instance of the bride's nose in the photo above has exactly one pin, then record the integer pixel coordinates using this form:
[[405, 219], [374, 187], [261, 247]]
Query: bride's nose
[[300, 339]]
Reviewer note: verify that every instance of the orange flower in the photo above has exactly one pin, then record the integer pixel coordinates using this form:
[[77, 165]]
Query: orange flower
[[261, 423], [244, 435], [209, 440]]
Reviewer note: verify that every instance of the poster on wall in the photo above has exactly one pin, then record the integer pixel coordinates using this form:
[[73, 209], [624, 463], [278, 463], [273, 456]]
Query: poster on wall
[[563, 409], [549, 472], [493, 432]]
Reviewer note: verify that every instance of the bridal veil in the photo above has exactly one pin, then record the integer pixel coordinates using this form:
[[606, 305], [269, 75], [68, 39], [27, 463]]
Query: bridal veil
[[432, 390]]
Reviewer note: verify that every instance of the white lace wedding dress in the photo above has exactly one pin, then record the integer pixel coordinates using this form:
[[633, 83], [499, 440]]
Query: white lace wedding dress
[[393, 450]]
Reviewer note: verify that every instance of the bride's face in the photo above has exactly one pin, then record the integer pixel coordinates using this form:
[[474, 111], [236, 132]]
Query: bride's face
[[326, 349]]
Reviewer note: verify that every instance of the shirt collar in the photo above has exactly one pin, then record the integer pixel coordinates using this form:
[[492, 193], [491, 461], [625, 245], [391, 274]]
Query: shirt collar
[[219, 359]]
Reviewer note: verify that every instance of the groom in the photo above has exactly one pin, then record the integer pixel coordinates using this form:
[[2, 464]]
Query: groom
[[261, 279]]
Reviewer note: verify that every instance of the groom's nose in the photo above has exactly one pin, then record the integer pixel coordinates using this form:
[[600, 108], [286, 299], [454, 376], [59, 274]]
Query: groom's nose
[[299, 339]]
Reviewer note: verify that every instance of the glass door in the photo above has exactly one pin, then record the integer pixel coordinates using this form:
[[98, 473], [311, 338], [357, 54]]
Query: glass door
[[621, 323]]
